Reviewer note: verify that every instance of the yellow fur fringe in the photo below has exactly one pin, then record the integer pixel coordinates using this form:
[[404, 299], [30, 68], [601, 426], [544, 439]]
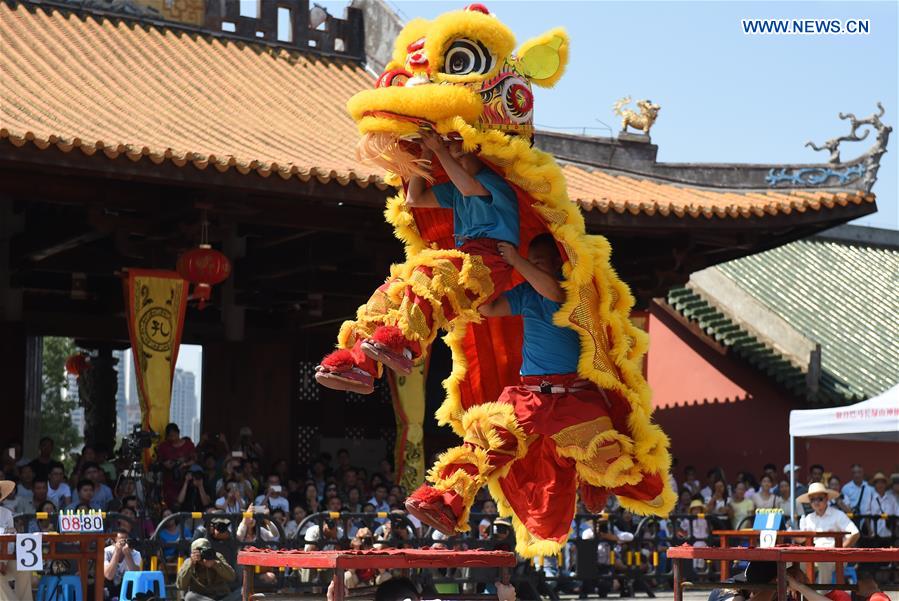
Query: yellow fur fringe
[[589, 266], [460, 481]]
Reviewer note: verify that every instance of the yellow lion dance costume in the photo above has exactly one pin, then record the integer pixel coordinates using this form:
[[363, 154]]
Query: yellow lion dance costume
[[457, 75]]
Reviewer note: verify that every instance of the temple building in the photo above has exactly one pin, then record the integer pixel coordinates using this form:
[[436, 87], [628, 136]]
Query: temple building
[[130, 128]]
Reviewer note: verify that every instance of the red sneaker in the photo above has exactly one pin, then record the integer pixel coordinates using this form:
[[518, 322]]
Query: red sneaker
[[388, 346], [432, 511], [338, 371]]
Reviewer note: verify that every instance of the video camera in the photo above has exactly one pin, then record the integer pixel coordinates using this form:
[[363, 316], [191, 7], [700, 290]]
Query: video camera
[[134, 444]]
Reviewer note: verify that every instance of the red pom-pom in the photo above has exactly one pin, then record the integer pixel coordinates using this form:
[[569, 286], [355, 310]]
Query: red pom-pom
[[391, 337], [427, 494], [478, 8], [340, 360]]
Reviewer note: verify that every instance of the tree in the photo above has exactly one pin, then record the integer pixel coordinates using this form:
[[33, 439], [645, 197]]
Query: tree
[[56, 405]]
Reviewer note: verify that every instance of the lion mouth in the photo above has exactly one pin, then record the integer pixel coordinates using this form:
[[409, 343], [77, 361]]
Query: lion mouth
[[394, 153], [420, 122]]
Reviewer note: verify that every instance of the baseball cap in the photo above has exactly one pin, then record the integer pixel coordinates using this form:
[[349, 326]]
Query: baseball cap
[[200, 544]]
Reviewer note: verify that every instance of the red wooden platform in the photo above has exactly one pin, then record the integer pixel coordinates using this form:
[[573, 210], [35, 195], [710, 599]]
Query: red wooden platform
[[781, 555], [782, 535], [339, 561]]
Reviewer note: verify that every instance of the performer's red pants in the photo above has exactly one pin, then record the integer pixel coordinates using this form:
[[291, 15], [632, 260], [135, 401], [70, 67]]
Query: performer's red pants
[[538, 449], [443, 286]]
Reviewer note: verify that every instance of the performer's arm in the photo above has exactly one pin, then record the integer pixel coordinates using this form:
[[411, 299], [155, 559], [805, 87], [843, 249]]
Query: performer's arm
[[497, 308], [464, 181], [418, 194], [543, 282]]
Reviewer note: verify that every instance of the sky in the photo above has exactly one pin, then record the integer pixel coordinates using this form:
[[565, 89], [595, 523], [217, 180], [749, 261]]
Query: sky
[[190, 358], [725, 96]]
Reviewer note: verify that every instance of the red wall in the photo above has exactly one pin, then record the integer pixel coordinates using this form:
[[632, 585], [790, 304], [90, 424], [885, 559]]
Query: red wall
[[720, 411]]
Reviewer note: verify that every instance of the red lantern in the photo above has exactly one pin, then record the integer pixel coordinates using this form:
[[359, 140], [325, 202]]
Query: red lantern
[[203, 267], [77, 364]]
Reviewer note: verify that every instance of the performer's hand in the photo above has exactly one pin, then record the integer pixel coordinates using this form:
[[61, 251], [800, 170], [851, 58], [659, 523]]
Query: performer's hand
[[431, 141], [504, 592], [509, 253]]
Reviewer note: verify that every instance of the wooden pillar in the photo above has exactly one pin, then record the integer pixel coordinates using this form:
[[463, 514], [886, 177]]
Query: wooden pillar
[[13, 376], [31, 423], [97, 389]]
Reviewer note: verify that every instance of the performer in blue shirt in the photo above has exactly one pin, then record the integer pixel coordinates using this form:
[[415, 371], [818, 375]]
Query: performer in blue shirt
[[542, 439], [485, 214]]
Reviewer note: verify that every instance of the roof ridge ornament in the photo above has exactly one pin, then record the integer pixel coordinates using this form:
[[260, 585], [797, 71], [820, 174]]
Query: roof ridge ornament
[[862, 169], [871, 158]]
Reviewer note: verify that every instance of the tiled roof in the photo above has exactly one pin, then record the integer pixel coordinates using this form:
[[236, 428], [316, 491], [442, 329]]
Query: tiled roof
[[159, 94], [154, 93], [610, 192], [843, 296]]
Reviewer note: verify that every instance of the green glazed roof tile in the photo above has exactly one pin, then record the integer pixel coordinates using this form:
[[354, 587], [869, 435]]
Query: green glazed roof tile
[[843, 296]]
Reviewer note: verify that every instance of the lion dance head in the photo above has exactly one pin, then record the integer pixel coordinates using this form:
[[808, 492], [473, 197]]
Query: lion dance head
[[460, 65]]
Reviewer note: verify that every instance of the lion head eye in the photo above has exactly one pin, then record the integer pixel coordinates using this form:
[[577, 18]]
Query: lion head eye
[[466, 56]]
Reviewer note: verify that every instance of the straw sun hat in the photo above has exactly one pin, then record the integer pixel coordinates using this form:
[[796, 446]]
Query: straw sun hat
[[6, 488], [879, 476], [817, 488]]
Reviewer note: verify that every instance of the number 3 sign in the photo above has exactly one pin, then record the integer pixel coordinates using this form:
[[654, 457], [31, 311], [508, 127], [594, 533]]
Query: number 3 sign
[[29, 553]]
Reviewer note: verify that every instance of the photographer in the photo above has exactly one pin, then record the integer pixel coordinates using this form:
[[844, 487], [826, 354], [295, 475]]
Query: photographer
[[232, 502], [174, 453], [395, 532], [247, 530], [193, 496], [118, 558], [206, 576], [274, 497]]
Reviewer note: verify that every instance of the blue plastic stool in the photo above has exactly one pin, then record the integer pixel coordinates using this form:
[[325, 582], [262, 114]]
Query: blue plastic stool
[[59, 588], [849, 575], [142, 582]]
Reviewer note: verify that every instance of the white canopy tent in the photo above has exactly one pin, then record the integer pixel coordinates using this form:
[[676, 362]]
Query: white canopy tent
[[876, 419]]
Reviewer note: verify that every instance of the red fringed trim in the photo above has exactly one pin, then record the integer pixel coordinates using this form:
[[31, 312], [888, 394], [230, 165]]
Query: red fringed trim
[[391, 337], [427, 494], [340, 360]]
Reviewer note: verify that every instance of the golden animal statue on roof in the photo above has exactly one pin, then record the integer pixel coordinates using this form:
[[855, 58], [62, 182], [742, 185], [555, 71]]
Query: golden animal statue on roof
[[547, 389], [643, 120]]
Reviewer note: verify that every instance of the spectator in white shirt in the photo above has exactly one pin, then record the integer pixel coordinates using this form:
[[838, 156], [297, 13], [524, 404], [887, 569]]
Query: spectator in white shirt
[[59, 492], [856, 492], [119, 558], [292, 529], [102, 493], [825, 518], [232, 502], [894, 478], [379, 501], [246, 531], [691, 483], [273, 498], [8, 566], [881, 502]]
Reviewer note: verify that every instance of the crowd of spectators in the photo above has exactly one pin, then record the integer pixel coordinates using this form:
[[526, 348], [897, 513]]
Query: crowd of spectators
[[232, 478], [732, 503]]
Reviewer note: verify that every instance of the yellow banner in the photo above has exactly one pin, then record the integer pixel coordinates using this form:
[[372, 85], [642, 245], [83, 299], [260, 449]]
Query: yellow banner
[[408, 393], [155, 304]]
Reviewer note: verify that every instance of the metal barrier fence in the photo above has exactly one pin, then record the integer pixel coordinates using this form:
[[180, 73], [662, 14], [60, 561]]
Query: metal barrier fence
[[599, 555]]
